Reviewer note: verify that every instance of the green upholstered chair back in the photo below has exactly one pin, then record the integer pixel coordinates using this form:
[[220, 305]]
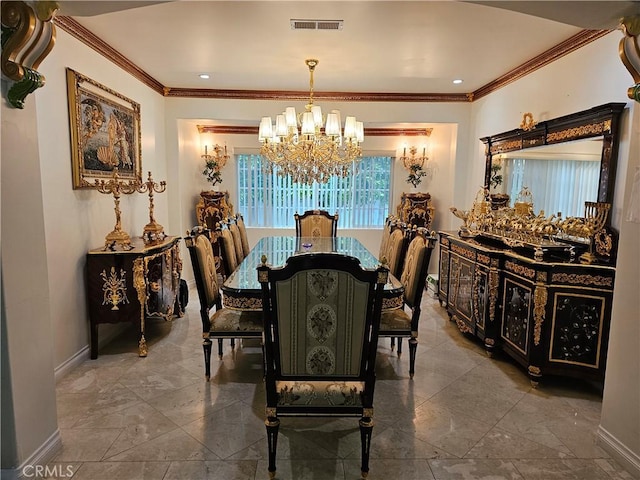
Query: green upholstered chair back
[[316, 223], [322, 314]]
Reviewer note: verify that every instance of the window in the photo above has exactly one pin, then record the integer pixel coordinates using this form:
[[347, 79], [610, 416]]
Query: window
[[269, 200]]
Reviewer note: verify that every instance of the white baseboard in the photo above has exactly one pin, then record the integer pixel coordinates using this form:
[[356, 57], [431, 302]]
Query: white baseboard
[[85, 352], [619, 451], [42, 456], [65, 367]]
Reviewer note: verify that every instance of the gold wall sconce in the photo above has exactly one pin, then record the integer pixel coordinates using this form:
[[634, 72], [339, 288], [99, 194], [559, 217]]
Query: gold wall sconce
[[214, 162], [416, 163], [215, 156]]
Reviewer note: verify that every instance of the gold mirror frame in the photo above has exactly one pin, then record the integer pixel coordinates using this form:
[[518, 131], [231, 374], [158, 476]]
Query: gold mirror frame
[[597, 121]]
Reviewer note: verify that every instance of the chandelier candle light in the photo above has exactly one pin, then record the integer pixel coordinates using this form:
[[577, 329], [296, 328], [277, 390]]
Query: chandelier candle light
[[311, 154]]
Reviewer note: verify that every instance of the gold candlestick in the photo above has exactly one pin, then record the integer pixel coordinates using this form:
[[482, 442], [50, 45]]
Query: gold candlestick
[[152, 231], [595, 214], [116, 187]]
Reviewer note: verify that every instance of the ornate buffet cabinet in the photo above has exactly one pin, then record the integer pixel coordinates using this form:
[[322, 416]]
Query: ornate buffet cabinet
[[552, 317], [542, 296], [133, 285]]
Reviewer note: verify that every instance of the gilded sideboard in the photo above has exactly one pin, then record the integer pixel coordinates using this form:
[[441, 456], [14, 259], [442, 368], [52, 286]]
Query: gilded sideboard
[[551, 316], [133, 285]]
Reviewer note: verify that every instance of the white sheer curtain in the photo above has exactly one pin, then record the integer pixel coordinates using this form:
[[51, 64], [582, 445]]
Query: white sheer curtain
[[362, 200], [556, 185]]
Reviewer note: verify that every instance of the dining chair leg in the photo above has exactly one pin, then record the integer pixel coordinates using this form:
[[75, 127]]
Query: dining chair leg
[[220, 348], [393, 343], [413, 347], [399, 346], [272, 424], [233, 343], [366, 428], [206, 346]]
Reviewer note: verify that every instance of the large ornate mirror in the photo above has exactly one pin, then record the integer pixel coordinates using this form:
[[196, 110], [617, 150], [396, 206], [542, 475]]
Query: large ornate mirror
[[563, 162]]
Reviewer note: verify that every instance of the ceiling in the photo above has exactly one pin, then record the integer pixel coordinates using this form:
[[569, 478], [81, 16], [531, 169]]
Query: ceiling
[[384, 46]]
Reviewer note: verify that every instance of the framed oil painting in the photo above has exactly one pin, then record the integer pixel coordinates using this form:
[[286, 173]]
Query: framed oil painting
[[105, 132]]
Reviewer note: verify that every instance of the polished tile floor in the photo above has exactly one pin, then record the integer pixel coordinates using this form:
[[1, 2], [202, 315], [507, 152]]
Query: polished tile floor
[[463, 416]]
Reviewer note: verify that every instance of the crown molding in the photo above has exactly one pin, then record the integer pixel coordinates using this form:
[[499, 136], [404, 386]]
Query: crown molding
[[571, 44], [582, 38], [73, 28], [369, 132]]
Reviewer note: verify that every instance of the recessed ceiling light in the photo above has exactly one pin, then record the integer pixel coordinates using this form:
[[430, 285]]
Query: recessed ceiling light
[[458, 81], [204, 76]]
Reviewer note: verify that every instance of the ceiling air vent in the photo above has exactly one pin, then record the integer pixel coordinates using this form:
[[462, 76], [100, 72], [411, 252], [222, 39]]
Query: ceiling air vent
[[316, 24]]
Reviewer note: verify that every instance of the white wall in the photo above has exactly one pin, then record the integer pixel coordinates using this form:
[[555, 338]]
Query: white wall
[[620, 423], [28, 384]]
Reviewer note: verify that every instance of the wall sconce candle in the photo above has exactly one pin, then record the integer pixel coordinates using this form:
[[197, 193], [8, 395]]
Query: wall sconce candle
[[417, 165]]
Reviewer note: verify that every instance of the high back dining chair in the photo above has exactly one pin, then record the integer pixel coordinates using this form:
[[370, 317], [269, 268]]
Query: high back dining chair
[[243, 234], [321, 319], [228, 256], [396, 247], [221, 322], [398, 323], [232, 224], [316, 223], [386, 233]]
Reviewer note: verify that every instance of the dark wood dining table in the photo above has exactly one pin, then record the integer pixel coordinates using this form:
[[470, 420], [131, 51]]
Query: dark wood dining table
[[241, 290]]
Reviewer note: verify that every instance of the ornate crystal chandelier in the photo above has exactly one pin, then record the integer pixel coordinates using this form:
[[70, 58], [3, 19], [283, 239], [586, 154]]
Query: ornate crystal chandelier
[[312, 153]]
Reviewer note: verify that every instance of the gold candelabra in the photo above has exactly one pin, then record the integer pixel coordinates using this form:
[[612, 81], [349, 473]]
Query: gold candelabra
[[595, 214], [152, 231], [116, 187]]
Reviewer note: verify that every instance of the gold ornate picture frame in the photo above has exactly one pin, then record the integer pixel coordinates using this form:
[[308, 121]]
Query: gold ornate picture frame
[[105, 132]]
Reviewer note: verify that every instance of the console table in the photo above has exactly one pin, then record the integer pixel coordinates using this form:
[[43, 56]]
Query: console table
[[552, 316], [132, 285]]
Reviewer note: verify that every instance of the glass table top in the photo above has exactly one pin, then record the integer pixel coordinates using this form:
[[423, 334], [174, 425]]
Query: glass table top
[[279, 249]]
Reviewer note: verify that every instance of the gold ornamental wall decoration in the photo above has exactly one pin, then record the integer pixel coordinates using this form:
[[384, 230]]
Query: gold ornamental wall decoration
[[28, 36], [629, 51], [527, 122]]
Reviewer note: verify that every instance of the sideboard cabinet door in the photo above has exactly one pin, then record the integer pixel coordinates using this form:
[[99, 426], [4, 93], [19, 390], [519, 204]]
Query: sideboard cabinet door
[[133, 285]]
